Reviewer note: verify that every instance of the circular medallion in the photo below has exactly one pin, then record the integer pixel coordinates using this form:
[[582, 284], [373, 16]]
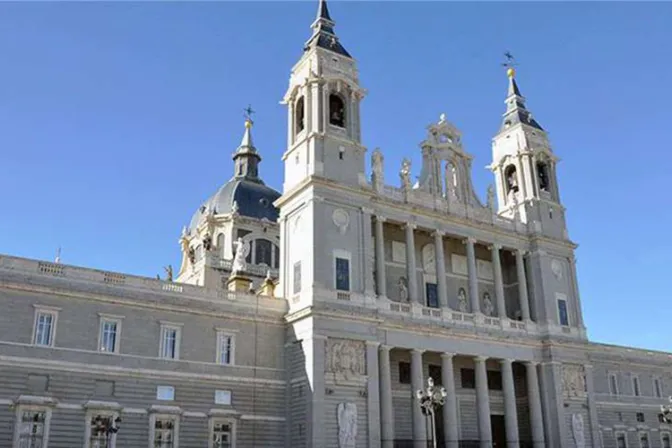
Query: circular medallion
[[341, 219]]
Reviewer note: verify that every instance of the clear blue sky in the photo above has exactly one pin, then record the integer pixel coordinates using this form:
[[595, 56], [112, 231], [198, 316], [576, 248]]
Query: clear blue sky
[[118, 119]]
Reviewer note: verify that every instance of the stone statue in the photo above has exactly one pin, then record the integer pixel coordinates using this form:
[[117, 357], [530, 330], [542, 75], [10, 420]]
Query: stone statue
[[207, 242], [573, 381], [403, 289], [578, 431], [377, 177], [488, 309], [234, 207], [169, 272], [462, 301], [239, 263], [516, 210], [405, 175], [347, 425], [512, 181], [491, 198]]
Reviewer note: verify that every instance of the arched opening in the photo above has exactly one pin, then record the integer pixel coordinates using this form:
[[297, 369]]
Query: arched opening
[[542, 173], [299, 115], [452, 179], [511, 176], [336, 110], [221, 241], [263, 250]]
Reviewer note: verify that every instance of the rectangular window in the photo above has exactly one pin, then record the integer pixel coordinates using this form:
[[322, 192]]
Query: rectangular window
[[432, 292], [494, 380], [404, 372], [164, 433], [45, 327], [635, 386], [222, 434], [170, 342], [665, 440], [657, 389], [563, 316], [435, 373], [109, 335], [468, 378], [102, 430], [640, 417], [620, 441], [342, 274], [644, 440], [165, 393], [297, 277], [225, 348], [613, 384], [32, 429]]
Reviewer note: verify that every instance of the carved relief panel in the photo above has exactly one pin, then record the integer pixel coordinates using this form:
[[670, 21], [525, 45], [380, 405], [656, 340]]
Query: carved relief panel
[[345, 359], [573, 381]]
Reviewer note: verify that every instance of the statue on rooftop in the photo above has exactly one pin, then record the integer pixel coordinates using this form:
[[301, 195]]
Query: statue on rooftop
[[239, 263], [377, 177], [491, 198], [405, 175], [169, 272]]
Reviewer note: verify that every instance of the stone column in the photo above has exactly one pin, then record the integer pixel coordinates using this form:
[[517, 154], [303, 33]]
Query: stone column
[[419, 423], [386, 412], [534, 404], [483, 402], [499, 284], [522, 286], [592, 406], [510, 411], [440, 269], [411, 271], [451, 432], [373, 393], [473, 275], [292, 121], [367, 253], [380, 258]]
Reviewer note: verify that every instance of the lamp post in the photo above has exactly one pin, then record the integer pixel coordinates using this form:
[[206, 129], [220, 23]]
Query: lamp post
[[430, 399], [107, 426]]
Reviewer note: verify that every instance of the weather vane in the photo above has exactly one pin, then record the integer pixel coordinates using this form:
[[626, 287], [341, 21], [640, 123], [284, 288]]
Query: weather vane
[[248, 112], [510, 60]]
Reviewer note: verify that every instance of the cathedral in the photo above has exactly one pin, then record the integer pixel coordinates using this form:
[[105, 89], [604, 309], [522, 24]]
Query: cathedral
[[345, 311]]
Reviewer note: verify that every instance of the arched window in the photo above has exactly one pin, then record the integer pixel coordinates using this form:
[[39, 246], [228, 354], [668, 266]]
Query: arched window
[[263, 250], [336, 110], [511, 177], [300, 115], [542, 173]]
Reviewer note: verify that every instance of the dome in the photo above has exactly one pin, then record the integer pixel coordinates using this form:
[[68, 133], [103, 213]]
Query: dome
[[252, 198], [246, 190]]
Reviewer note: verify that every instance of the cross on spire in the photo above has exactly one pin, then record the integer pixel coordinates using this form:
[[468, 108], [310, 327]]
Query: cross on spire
[[248, 112]]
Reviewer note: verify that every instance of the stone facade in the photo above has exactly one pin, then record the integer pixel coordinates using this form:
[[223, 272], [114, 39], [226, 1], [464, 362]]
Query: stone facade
[[322, 342]]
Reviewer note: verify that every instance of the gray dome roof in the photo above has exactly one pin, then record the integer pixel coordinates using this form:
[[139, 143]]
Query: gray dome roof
[[254, 199]]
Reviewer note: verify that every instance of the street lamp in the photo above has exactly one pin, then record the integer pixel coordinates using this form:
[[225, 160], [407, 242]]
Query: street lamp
[[430, 399], [107, 426]]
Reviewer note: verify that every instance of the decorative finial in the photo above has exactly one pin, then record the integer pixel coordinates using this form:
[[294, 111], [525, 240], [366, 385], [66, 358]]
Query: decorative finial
[[442, 118], [510, 64]]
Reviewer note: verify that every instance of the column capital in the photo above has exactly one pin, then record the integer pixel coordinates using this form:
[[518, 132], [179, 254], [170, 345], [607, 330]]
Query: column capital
[[410, 225], [447, 355], [385, 348], [438, 233], [521, 252], [372, 343], [508, 361], [381, 218], [531, 363], [495, 246], [417, 351], [368, 210], [480, 358], [469, 240]]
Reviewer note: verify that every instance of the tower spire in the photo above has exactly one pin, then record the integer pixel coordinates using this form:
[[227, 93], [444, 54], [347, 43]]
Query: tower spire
[[324, 35], [246, 159], [516, 111]]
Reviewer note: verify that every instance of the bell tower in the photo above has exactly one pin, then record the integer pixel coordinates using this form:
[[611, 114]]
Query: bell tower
[[525, 168], [323, 98]]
